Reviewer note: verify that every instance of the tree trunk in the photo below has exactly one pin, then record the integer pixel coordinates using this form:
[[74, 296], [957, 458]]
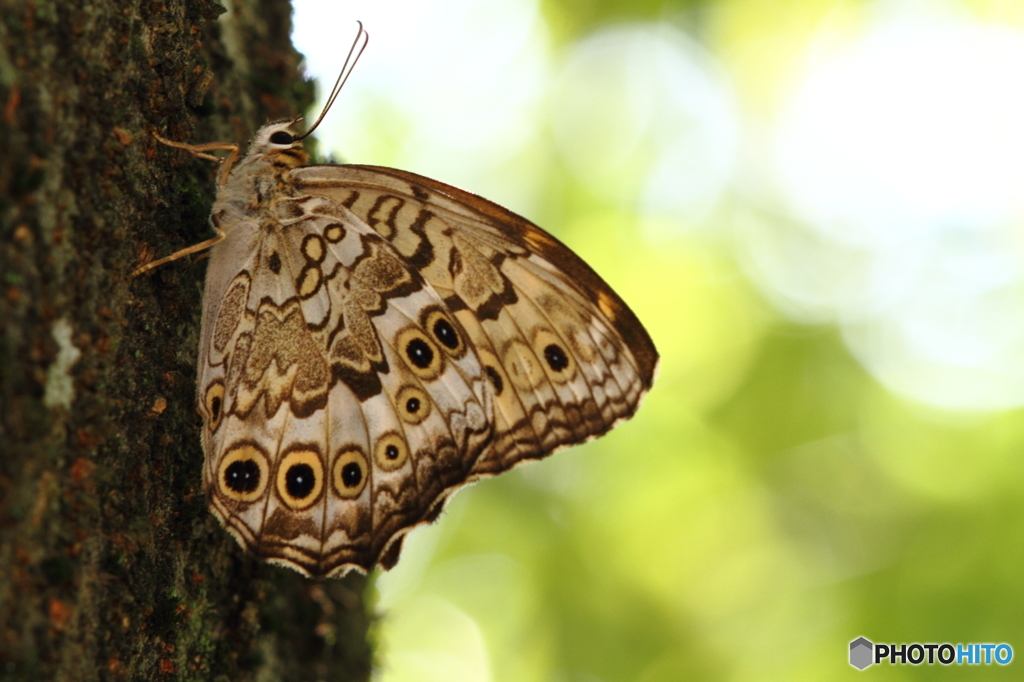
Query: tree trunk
[[110, 565]]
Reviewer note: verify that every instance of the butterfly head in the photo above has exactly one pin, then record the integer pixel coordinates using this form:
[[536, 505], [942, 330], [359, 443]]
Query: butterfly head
[[280, 145]]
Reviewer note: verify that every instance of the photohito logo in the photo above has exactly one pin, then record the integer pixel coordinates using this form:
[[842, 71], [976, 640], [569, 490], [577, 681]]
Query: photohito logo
[[863, 652]]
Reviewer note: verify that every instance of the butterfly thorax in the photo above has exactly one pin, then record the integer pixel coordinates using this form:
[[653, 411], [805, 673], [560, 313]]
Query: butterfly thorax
[[261, 179]]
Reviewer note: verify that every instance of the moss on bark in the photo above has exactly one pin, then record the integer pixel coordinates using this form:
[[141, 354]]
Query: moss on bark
[[110, 565]]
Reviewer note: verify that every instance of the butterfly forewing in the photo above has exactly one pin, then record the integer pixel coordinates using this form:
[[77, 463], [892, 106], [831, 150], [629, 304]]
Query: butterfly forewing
[[565, 358]]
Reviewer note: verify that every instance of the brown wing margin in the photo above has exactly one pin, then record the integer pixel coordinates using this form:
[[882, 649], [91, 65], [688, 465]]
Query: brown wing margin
[[522, 232]]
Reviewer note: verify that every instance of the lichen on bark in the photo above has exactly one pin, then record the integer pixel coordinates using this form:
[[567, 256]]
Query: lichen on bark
[[110, 565]]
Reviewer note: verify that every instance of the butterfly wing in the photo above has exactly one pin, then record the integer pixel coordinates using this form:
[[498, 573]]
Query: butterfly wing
[[334, 418], [565, 357]]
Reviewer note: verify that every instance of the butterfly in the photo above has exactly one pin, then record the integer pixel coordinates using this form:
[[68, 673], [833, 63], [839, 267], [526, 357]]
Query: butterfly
[[372, 340]]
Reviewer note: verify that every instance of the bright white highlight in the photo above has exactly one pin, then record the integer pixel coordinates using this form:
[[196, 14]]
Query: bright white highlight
[[920, 124], [642, 111], [903, 156], [437, 84]]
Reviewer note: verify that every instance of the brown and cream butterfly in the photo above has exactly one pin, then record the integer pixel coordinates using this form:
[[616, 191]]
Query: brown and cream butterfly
[[372, 340]]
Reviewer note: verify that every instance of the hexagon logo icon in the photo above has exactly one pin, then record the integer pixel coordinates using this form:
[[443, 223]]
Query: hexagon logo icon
[[860, 653]]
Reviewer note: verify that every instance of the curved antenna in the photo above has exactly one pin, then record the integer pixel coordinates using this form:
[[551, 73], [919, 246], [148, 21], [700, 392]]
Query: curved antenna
[[346, 71]]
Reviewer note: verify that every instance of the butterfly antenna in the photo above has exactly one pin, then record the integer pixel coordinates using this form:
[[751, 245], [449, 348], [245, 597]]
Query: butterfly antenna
[[361, 41]]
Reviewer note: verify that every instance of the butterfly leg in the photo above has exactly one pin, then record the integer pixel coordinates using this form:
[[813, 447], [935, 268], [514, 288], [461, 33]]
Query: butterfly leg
[[199, 151], [201, 246]]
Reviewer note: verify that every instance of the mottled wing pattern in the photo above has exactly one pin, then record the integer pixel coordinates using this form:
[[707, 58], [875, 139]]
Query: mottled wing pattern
[[340, 402], [373, 340], [564, 357]]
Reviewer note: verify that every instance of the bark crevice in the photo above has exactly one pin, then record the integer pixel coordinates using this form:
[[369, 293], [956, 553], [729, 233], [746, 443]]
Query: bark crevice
[[110, 565]]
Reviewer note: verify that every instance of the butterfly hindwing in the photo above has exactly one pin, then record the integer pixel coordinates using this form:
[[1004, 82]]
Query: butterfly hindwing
[[335, 421]]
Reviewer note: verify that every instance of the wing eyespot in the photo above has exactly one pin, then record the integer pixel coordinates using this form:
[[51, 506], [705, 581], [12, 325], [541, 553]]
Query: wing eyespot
[[243, 472], [420, 353], [558, 362], [300, 478], [391, 452], [414, 404], [445, 332], [556, 357], [214, 402], [351, 472]]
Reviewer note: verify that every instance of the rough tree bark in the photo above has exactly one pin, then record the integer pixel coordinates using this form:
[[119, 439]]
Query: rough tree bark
[[110, 565]]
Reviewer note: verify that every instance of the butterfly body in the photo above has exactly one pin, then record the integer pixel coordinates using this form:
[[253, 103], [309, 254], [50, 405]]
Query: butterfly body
[[372, 340]]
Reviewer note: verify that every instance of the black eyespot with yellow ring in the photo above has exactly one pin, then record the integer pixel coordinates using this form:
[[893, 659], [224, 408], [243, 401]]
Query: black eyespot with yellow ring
[[420, 353], [445, 332], [300, 478], [243, 472], [351, 472], [213, 401], [413, 404], [391, 452], [558, 362]]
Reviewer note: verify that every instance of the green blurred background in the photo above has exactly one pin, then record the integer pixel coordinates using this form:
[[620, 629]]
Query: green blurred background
[[816, 209]]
